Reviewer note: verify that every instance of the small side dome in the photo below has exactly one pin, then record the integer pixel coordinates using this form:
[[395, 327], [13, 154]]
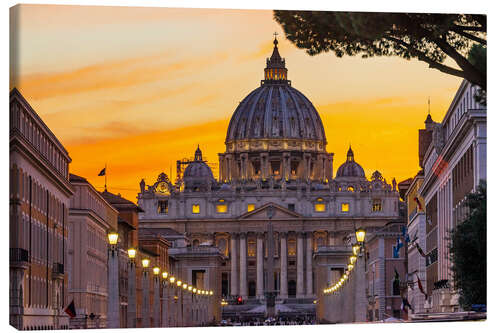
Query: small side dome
[[350, 169], [198, 175]]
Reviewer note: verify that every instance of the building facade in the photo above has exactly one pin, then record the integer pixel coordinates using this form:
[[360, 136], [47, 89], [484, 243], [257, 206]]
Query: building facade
[[91, 218], [40, 194], [386, 272], [275, 160], [416, 225], [454, 162]]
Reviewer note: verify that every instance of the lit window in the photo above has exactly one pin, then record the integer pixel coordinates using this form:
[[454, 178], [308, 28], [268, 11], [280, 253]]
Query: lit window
[[319, 206], [196, 209], [377, 205], [340, 189], [250, 207], [350, 189], [221, 208], [345, 207]]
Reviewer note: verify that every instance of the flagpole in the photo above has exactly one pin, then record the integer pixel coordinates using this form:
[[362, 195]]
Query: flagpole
[[105, 177]]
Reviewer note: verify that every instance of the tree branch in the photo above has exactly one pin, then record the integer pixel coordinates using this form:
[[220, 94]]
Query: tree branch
[[469, 36], [473, 75], [468, 28], [422, 57]]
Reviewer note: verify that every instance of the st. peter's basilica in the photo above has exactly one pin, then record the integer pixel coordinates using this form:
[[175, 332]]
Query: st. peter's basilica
[[276, 170]]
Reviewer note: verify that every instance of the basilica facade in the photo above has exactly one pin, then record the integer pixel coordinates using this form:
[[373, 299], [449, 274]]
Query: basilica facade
[[276, 170]]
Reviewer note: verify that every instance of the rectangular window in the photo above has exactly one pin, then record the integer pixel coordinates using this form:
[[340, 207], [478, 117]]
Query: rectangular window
[[250, 207], [196, 209], [431, 257], [163, 207], [377, 205], [221, 208], [320, 207], [345, 207], [291, 207]]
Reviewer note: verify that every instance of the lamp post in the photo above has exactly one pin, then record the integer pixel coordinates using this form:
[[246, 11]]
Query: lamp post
[[146, 320], [156, 296], [174, 298], [131, 297], [360, 277], [164, 299], [180, 306], [113, 316], [185, 316]]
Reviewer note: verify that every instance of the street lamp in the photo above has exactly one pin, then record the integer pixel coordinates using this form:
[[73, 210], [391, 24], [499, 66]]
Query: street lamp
[[172, 279], [113, 316], [131, 304], [156, 270], [179, 283], [146, 320], [355, 249], [360, 236], [145, 263], [113, 238]]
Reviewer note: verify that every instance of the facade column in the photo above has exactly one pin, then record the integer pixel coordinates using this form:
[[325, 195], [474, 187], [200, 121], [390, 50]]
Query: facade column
[[309, 268], [145, 299], [283, 266], [234, 265], [113, 316], [260, 265], [300, 264], [243, 265], [131, 297], [156, 301], [164, 304]]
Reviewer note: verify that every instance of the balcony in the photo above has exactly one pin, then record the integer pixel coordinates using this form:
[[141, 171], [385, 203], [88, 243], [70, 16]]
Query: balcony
[[19, 257], [57, 270]]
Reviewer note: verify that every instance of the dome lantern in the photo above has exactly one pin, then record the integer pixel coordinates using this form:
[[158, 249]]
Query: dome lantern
[[275, 71]]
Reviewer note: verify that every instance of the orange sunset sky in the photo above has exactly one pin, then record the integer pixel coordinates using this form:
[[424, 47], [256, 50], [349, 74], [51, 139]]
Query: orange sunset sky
[[139, 88]]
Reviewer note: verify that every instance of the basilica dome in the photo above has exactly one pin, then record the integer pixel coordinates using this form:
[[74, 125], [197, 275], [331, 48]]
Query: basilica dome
[[275, 110], [350, 169], [197, 174]]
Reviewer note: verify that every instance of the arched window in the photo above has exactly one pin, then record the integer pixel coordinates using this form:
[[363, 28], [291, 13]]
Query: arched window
[[350, 189]]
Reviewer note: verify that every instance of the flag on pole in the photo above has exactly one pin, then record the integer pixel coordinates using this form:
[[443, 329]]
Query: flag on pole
[[421, 288], [70, 310], [419, 249], [405, 304], [418, 203], [102, 173]]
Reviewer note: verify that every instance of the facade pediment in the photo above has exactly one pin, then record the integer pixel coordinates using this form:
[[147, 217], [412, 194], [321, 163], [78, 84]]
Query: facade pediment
[[264, 212]]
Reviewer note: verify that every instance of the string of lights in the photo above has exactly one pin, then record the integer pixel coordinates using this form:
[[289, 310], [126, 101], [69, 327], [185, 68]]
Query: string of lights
[[174, 282], [356, 250]]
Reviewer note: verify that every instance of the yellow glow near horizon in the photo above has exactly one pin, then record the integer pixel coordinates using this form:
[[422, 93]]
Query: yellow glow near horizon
[[117, 92]]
